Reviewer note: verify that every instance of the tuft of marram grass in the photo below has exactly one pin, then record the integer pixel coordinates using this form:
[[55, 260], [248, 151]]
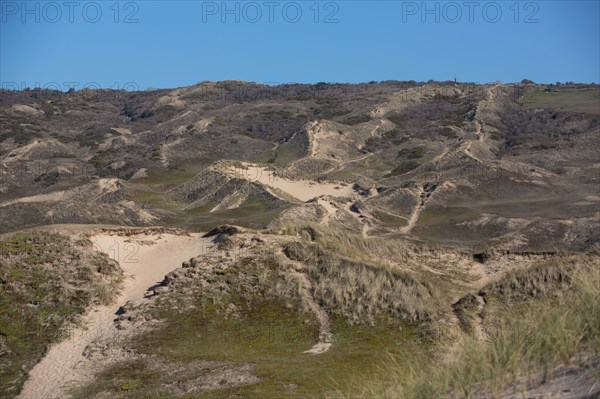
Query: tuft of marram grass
[[363, 280], [526, 344]]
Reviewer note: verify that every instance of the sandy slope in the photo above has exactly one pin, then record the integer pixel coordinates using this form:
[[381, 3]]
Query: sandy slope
[[303, 190], [145, 260]]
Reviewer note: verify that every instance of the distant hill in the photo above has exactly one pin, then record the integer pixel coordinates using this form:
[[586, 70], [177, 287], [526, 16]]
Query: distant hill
[[499, 165]]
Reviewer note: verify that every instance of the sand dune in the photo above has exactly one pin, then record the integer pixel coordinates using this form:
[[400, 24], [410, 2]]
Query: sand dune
[[302, 190], [145, 260]]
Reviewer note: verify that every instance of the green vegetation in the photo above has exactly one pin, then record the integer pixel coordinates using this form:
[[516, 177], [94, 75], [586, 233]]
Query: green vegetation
[[48, 109], [174, 176], [396, 118], [411, 153], [14, 129], [445, 97], [291, 150], [241, 328], [356, 119], [46, 281], [249, 315], [514, 141], [63, 155], [581, 100], [272, 340], [239, 325], [256, 212], [396, 136], [48, 178], [448, 132], [403, 168], [156, 199], [332, 113], [365, 292], [286, 154], [458, 116], [92, 137], [388, 219]]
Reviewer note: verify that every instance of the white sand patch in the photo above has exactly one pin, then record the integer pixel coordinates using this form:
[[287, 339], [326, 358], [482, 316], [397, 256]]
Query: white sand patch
[[302, 190], [232, 202], [21, 152], [26, 109], [140, 174], [164, 151], [38, 150], [144, 266], [171, 99], [202, 124], [108, 185], [121, 130], [116, 140], [118, 164]]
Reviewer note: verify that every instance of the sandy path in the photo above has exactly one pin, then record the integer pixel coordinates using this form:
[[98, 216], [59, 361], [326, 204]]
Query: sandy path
[[435, 161], [341, 165], [145, 260], [465, 147], [325, 335], [414, 216], [305, 286], [360, 217], [330, 210]]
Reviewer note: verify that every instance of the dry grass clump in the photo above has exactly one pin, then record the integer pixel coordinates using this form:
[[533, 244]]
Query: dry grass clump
[[354, 246], [353, 277], [542, 279], [528, 343], [364, 292]]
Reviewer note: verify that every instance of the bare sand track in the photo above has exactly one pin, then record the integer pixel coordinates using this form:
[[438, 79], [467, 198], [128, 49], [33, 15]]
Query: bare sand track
[[305, 288], [145, 259]]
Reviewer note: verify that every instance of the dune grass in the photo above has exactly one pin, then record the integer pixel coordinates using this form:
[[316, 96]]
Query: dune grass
[[586, 100], [46, 282], [391, 323], [370, 279], [525, 343], [245, 319]]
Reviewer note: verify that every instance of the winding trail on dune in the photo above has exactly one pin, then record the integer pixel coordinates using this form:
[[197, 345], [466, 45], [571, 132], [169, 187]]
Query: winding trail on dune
[[464, 147], [145, 259], [330, 211], [415, 214], [325, 335]]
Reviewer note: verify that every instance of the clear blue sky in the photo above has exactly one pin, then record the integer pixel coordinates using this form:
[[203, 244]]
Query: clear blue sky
[[179, 43]]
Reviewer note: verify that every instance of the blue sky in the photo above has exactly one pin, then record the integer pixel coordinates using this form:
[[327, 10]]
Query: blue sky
[[177, 43]]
